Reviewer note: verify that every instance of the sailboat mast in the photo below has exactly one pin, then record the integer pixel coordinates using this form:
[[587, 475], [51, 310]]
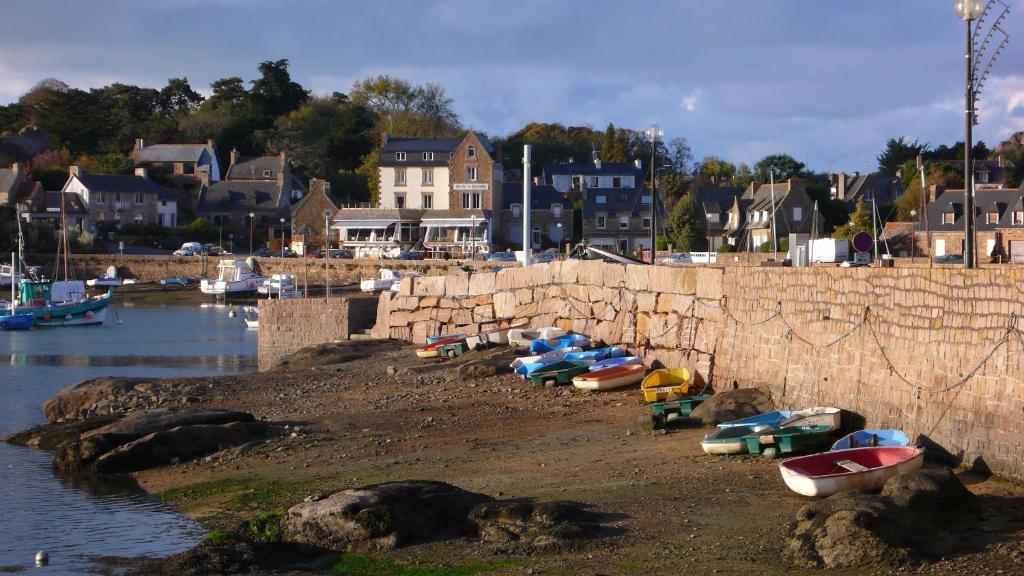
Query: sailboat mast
[[64, 234]]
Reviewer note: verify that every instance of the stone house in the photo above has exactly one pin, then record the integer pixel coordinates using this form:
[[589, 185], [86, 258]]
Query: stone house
[[184, 169], [850, 188], [254, 193], [552, 219], [309, 223], [46, 206], [999, 224], [716, 203], [16, 185], [118, 200], [750, 219]]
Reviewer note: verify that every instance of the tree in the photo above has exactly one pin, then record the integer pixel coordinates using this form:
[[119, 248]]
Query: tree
[[716, 170], [406, 110], [552, 143], [786, 167], [178, 98], [613, 146], [937, 174], [860, 221], [274, 93], [680, 156], [686, 225], [897, 151], [228, 92]]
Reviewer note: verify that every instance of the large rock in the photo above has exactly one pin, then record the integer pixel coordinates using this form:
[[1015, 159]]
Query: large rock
[[333, 353], [51, 436], [910, 519], [383, 516], [138, 424], [535, 525], [732, 405], [178, 445], [78, 400]]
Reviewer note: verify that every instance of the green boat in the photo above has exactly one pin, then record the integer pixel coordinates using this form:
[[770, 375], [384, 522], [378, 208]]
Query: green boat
[[560, 373], [790, 440], [36, 298], [680, 408]]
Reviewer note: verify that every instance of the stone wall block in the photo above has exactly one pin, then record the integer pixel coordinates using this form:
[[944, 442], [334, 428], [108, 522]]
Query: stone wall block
[[456, 285], [429, 285], [481, 283], [637, 276], [569, 271], [504, 304]]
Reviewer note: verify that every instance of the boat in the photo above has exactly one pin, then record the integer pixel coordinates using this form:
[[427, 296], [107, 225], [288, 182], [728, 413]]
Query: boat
[[431, 350], [277, 284], [432, 339], [108, 279], [561, 372], [819, 415], [521, 337], [234, 278], [865, 438], [867, 469], [178, 281], [542, 359], [494, 336], [663, 412], [387, 279], [668, 384], [397, 284], [58, 304], [789, 440], [16, 321], [730, 440], [597, 354], [610, 378], [773, 419], [541, 346], [615, 361], [251, 317]]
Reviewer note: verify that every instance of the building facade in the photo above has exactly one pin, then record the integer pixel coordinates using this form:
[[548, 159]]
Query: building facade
[[552, 218], [255, 193], [311, 217], [783, 208], [999, 224], [119, 200]]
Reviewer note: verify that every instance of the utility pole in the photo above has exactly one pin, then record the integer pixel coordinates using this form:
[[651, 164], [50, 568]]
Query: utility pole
[[775, 241], [654, 132], [527, 232], [968, 160], [327, 254]]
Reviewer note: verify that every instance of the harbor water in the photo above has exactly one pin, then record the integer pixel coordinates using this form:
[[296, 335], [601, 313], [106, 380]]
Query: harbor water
[[75, 519]]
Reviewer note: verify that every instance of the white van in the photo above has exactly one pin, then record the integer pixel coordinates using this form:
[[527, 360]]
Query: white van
[[190, 249]]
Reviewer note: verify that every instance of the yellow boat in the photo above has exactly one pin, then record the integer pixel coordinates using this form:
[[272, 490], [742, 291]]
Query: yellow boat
[[668, 384]]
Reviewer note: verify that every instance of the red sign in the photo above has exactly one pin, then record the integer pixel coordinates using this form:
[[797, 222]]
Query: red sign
[[862, 242]]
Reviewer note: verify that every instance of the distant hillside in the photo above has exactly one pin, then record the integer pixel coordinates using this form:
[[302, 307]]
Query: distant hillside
[[1010, 149]]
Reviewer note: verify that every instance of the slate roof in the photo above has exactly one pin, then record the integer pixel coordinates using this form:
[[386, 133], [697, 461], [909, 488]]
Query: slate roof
[[619, 201], [9, 180], [125, 184], [73, 203], [718, 199], [1003, 201], [589, 169], [172, 152], [401, 214], [541, 196], [421, 144], [885, 188], [241, 195], [253, 168]]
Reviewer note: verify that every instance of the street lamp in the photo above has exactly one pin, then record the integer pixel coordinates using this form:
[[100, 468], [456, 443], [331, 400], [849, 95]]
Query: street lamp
[[968, 10], [327, 253], [654, 132], [282, 238], [913, 233], [472, 237], [252, 218]]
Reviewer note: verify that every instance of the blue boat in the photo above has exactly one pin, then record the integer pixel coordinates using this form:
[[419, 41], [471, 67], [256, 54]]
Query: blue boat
[[433, 339], [773, 419], [597, 354], [569, 340], [615, 361], [178, 281], [868, 438], [16, 322]]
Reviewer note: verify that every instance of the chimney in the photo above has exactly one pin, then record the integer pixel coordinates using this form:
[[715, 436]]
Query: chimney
[[384, 139], [140, 145], [209, 143], [639, 165], [234, 157], [934, 191], [318, 185], [74, 171], [16, 168], [841, 186], [142, 172], [597, 160]]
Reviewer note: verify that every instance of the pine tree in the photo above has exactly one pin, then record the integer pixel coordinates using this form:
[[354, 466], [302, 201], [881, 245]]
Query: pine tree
[[613, 146], [686, 225], [860, 221]]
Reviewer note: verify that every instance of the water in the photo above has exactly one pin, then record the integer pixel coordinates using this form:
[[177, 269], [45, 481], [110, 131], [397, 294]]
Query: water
[[75, 519]]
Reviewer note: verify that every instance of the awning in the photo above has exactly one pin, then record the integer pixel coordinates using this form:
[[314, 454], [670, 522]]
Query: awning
[[452, 222], [362, 223]]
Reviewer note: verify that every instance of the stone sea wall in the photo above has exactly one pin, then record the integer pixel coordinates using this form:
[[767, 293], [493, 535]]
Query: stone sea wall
[[935, 352], [287, 326]]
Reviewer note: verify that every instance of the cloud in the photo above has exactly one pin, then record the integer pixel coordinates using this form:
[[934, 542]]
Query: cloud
[[689, 103]]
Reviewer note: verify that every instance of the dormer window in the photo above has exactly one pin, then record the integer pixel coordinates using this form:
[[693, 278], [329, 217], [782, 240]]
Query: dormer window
[[947, 217], [991, 217], [471, 152], [400, 156], [616, 182], [267, 173], [982, 176], [1018, 218], [428, 156]]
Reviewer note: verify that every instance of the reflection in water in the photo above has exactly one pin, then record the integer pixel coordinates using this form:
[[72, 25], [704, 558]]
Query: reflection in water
[[79, 517]]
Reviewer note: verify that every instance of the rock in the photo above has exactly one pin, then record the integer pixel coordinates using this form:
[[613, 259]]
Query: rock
[[177, 445], [50, 436], [333, 353], [906, 521], [732, 405], [76, 400], [138, 424], [537, 525], [383, 516]]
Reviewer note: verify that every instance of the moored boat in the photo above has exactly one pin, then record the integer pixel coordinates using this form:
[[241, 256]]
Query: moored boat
[[866, 438], [56, 304], [730, 440], [817, 416], [178, 281], [773, 419], [108, 279], [234, 278], [854, 469], [524, 364], [610, 378], [789, 440], [16, 321], [667, 384]]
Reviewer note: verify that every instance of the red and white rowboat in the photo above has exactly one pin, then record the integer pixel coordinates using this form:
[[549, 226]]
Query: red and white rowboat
[[610, 378], [864, 469]]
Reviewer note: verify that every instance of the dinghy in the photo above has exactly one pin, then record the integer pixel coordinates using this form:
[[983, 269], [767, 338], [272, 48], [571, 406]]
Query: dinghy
[[178, 281], [108, 279], [773, 419], [854, 469], [817, 416], [730, 440], [547, 345], [528, 370], [597, 354], [561, 372], [528, 364], [431, 350], [866, 438], [521, 337], [667, 384], [432, 339], [494, 336], [789, 440], [552, 356], [616, 361], [664, 412], [610, 378], [16, 321]]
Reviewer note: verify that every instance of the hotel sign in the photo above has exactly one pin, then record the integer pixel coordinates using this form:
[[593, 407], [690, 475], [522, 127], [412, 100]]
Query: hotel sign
[[462, 186]]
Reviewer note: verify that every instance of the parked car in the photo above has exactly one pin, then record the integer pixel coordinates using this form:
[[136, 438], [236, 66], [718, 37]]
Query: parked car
[[341, 253], [542, 257], [190, 249], [213, 249], [682, 258], [315, 254], [502, 257], [949, 259], [289, 253], [410, 256], [262, 252]]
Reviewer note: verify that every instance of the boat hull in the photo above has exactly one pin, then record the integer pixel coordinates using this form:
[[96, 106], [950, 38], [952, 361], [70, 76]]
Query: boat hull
[[567, 341], [235, 288], [790, 439], [610, 378], [817, 416], [774, 419], [91, 311], [521, 337], [17, 321], [666, 384], [616, 361], [802, 475], [868, 438]]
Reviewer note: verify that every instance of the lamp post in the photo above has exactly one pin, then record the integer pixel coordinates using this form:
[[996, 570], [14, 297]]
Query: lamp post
[[252, 218], [913, 235], [654, 132], [560, 236], [282, 238], [968, 10], [775, 245], [472, 237], [327, 253]]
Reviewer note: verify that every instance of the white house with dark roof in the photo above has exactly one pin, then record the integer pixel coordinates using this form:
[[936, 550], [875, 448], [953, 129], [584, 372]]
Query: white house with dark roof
[[121, 199], [199, 160]]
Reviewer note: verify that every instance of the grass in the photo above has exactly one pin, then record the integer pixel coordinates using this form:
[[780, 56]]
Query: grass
[[219, 537], [247, 493], [354, 565]]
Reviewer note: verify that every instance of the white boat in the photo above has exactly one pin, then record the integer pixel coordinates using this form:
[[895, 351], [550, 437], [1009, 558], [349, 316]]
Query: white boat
[[521, 337], [610, 378], [864, 469], [278, 284], [546, 357], [495, 336], [108, 279], [234, 278], [817, 416], [251, 316], [730, 440], [387, 279]]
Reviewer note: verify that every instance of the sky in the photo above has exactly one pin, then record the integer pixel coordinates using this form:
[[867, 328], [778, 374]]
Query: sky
[[826, 81]]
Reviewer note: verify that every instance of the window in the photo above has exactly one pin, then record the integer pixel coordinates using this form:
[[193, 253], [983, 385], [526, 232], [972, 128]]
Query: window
[[601, 199], [601, 221], [1018, 218], [517, 210], [645, 198], [138, 197], [117, 197], [400, 177], [163, 203], [471, 152], [103, 198], [400, 156], [982, 177], [535, 238], [399, 200], [947, 217], [428, 156], [991, 217], [267, 173], [623, 222], [428, 200], [647, 223], [616, 182], [465, 200], [798, 213], [713, 217], [471, 173], [593, 181], [475, 197], [556, 210], [428, 176], [750, 216]]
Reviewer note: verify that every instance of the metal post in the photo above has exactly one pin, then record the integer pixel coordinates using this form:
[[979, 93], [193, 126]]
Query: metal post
[[775, 241], [327, 254], [874, 226], [924, 207], [968, 164], [527, 232], [252, 218], [472, 237], [654, 188]]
